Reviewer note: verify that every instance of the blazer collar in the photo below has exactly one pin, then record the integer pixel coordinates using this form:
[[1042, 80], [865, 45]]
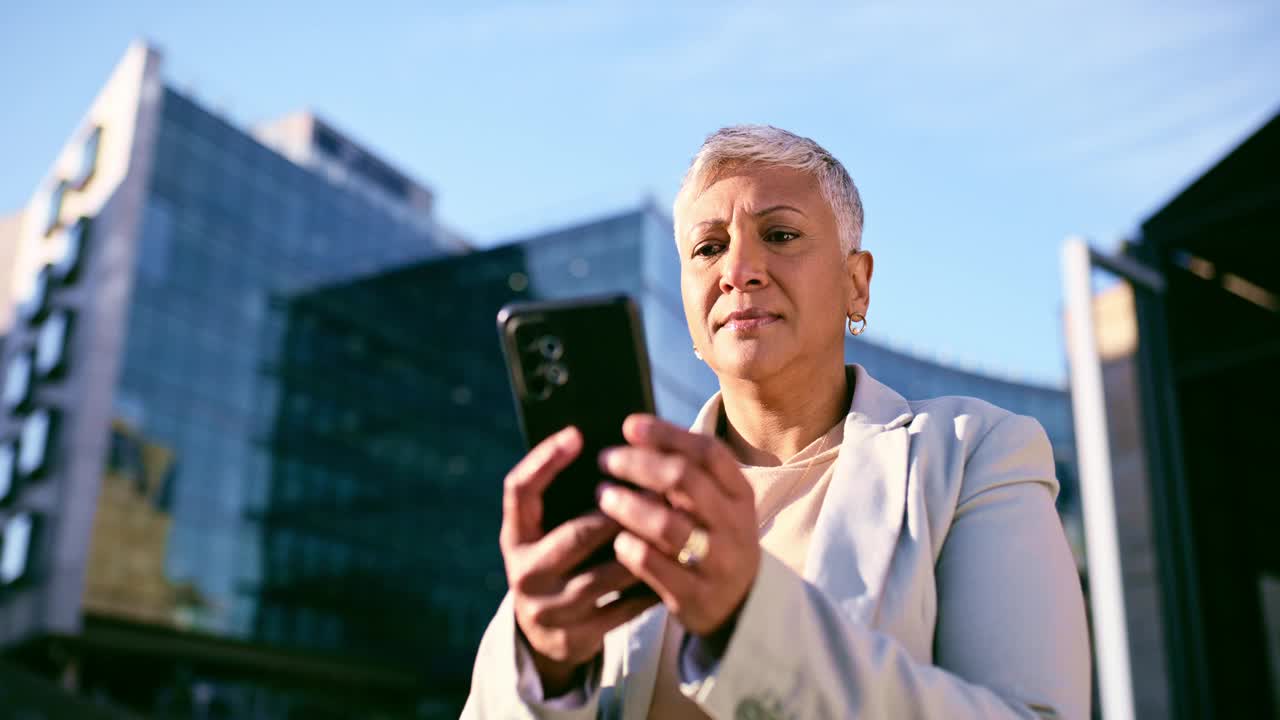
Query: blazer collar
[[853, 541], [875, 407]]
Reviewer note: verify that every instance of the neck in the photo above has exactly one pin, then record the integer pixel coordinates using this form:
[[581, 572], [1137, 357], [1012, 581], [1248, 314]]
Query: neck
[[772, 421]]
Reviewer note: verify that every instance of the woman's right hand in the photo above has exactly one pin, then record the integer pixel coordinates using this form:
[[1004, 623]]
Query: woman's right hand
[[555, 608]]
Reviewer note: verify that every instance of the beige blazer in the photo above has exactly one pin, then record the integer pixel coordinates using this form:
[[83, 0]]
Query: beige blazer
[[938, 584]]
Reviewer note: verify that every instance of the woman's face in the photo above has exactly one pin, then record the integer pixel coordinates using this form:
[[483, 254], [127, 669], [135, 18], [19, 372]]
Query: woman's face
[[766, 285]]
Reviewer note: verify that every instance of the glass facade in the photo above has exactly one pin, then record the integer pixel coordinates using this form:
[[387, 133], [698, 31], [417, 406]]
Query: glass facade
[[229, 228], [396, 427]]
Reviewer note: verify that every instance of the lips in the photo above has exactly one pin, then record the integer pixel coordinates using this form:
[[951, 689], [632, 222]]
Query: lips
[[749, 319]]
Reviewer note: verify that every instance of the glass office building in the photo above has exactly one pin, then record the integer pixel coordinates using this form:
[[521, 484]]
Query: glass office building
[[137, 401], [228, 225], [396, 428]]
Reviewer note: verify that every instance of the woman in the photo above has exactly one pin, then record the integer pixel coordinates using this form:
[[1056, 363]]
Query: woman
[[819, 546]]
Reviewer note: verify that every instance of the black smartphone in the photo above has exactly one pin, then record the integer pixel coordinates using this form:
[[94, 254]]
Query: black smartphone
[[578, 362]]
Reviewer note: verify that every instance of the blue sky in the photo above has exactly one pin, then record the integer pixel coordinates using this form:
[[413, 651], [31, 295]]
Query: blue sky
[[981, 134]]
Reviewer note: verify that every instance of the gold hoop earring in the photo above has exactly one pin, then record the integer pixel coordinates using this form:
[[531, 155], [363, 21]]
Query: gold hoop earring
[[855, 318]]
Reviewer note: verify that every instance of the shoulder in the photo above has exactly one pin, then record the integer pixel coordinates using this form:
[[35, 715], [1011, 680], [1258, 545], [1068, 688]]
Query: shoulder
[[955, 420], [980, 444]]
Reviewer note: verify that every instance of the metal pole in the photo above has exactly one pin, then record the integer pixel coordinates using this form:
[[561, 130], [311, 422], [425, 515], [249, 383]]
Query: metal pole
[[1093, 449]]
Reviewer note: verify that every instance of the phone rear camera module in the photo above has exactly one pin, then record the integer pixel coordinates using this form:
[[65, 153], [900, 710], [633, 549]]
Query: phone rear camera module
[[549, 347]]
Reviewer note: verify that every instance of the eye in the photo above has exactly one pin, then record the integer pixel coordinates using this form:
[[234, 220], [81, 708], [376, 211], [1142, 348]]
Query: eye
[[708, 249], [780, 236]]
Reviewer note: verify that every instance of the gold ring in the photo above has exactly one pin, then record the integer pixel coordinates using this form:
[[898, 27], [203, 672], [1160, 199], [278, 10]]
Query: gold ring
[[695, 548]]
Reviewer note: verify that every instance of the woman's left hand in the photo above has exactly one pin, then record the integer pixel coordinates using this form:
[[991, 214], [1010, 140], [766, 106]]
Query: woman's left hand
[[699, 477]]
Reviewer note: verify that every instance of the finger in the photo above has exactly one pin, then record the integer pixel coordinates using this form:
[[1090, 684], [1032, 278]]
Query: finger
[[588, 634], [523, 487], [617, 612], [661, 526], [569, 543], [677, 477], [672, 582], [705, 450], [583, 594]]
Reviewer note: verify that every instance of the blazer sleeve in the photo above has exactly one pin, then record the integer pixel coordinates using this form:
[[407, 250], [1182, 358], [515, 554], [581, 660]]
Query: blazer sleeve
[[1010, 642], [496, 688]]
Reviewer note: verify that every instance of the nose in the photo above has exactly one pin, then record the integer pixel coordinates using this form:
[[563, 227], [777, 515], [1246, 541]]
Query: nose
[[744, 267]]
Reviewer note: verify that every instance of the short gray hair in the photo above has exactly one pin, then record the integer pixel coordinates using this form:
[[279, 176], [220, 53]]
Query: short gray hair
[[741, 145]]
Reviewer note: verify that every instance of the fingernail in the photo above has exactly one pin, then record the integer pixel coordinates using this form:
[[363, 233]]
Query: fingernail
[[640, 426], [621, 543], [603, 458], [568, 436], [605, 495]]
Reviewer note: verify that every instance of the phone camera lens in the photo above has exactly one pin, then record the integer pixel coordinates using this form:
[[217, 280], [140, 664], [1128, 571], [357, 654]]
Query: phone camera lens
[[550, 347], [538, 387], [556, 374]]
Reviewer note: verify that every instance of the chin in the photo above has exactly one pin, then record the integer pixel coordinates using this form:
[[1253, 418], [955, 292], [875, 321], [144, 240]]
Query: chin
[[748, 361]]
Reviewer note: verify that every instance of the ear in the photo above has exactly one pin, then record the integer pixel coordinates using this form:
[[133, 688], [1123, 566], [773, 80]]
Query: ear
[[859, 264]]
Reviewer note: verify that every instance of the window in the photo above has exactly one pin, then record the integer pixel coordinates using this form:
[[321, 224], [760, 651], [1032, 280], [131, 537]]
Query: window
[[157, 240], [17, 381], [51, 345], [68, 264], [8, 460], [36, 302], [88, 158], [15, 548], [54, 217], [33, 448]]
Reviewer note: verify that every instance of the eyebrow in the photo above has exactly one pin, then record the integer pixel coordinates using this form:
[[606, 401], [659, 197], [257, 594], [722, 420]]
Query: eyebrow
[[771, 209]]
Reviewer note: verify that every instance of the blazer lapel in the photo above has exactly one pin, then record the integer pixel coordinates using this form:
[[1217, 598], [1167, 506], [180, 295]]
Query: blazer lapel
[[640, 660], [852, 545]]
